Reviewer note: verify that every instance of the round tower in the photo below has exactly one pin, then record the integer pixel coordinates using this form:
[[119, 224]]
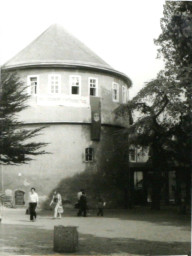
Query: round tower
[[73, 93]]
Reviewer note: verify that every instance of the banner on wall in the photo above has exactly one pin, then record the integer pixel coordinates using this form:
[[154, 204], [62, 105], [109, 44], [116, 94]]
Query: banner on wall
[[95, 118]]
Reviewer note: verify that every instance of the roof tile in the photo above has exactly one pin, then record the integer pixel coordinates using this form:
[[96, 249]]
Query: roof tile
[[57, 46]]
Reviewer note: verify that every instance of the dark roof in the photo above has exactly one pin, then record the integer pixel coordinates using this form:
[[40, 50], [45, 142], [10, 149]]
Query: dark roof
[[57, 47]]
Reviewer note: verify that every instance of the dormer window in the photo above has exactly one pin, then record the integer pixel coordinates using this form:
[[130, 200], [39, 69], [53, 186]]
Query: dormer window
[[54, 84], [75, 85], [93, 88], [115, 92], [33, 82]]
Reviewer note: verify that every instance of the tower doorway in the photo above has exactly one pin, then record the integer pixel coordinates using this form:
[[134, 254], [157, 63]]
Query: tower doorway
[[19, 197]]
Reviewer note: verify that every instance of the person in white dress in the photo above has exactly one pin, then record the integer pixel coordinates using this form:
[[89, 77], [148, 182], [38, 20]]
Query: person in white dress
[[57, 202]]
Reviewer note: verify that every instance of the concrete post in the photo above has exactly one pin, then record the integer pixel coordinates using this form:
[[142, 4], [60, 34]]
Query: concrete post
[[65, 239]]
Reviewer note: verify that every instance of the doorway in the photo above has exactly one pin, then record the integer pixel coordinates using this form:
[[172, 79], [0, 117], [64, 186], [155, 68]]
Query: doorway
[[19, 197]]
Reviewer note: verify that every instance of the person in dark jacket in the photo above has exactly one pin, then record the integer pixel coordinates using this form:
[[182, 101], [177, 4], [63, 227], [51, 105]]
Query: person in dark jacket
[[82, 205], [100, 206]]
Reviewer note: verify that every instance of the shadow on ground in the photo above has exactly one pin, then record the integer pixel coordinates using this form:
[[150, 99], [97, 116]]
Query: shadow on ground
[[168, 216], [27, 240], [165, 217]]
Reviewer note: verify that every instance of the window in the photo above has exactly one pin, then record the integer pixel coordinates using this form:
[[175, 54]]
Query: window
[[93, 91], [115, 92], [75, 83], [89, 155], [54, 83], [33, 84], [124, 94], [138, 180], [132, 154]]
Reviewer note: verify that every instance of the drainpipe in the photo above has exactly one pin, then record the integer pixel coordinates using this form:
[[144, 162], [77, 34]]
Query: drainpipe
[[130, 194], [1, 168]]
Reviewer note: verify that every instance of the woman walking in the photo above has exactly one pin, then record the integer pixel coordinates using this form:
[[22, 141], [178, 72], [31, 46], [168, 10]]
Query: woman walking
[[33, 200], [58, 208]]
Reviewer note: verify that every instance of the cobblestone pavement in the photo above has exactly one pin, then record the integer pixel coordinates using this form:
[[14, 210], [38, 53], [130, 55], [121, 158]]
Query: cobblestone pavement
[[133, 232]]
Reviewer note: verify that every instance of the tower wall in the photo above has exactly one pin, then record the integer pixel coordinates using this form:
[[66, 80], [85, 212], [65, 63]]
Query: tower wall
[[69, 108], [70, 120], [66, 158]]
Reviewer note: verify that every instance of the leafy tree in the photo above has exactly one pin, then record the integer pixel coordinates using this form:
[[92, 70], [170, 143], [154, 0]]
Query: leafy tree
[[162, 109], [153, 123], [16, 145], [175, 44]]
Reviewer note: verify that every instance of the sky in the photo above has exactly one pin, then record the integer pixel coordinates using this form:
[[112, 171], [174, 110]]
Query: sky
[[121, 32]]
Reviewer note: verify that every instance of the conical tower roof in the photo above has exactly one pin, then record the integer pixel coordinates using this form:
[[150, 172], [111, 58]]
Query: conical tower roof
[[57, 47]]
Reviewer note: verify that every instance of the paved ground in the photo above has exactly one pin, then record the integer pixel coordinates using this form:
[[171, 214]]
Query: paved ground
[[134, 232]]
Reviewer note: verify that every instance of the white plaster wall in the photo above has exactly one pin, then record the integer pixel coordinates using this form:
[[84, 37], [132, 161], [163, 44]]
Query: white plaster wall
[[67, 145], [67, 141], [76, 113]]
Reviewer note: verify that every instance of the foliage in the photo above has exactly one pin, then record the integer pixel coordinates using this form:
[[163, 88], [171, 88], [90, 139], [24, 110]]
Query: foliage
[[16, 145], [161, 111], [175, 44], [155, 114]]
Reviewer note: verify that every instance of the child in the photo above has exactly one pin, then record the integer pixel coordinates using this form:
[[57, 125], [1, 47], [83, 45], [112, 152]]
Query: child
[[100, 206]]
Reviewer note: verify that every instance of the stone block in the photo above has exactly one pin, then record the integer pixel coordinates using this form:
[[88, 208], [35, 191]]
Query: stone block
[[65, 239]]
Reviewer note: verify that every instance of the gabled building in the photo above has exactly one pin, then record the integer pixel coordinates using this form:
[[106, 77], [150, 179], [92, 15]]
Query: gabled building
[[74, 93]]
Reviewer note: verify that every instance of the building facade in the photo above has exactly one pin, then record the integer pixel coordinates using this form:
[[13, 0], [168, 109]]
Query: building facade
[[141, 178], [73, 94]]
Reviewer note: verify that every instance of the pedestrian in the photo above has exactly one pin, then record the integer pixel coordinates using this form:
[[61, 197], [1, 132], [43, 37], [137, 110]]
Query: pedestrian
[[82, 205], [33, 200], [57, 202], [100, 207], [79, 194]]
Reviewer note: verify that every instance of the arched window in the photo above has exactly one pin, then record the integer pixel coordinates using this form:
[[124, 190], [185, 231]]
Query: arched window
[[19, 197]]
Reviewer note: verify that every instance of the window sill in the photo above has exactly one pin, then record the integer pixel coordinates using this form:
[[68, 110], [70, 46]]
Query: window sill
[[89, 162]]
